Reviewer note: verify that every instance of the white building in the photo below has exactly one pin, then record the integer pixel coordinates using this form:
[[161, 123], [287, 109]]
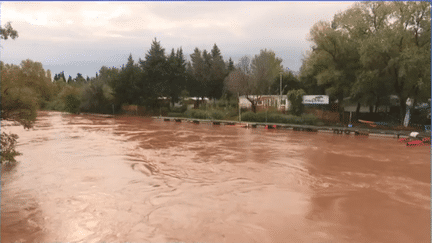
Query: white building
[[265, 101]]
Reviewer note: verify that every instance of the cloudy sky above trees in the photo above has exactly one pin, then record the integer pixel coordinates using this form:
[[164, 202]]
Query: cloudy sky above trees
[[80, 37]]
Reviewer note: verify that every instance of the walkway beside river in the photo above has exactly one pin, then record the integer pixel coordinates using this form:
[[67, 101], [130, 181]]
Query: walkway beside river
[[297, 127]]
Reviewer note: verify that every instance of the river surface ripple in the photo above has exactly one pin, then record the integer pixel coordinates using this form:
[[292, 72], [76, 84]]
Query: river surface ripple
[[88, 178]]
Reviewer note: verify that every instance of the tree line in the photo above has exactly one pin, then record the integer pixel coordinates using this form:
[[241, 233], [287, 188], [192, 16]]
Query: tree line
[[170, 76], [371, 51]]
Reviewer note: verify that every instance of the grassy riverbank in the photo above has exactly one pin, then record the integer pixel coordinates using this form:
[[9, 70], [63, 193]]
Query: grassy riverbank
[[233, 115]]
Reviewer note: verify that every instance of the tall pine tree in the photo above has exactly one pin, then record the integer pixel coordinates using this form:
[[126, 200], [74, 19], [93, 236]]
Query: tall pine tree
[[125, 85], [154, 81], [218, 73]]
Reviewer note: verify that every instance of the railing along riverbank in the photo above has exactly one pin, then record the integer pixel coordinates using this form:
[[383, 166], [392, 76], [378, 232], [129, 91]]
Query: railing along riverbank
[[299, 127]]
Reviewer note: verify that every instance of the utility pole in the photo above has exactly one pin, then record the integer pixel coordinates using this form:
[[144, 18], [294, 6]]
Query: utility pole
[[280, 98], [238, 95]]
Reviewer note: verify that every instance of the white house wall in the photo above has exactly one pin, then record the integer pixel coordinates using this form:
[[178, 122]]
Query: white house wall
[[245, 103]]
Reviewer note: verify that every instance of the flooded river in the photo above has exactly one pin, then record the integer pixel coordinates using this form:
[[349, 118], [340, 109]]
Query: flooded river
[[87, 178]]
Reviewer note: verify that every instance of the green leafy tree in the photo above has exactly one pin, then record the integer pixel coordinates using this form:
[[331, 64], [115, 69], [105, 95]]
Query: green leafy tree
[[23, 89], [59, 76], [296, 98], [192, 85], [56, 102], [310, 67], [254, 78], [227, 94], [370, 87], [371, 51], [409, 64], [33, 75], [19, 100], [107, 75], [197, 82], [218, 73], [244, 64], [265, 68], [240, 82], [71, 99], [176, 74], [289, 82], [230, 66], [7, 31], [97, 95], [398, 50], [126, 84], [334, 61], [206, 74], [8, 144], [79, 80]]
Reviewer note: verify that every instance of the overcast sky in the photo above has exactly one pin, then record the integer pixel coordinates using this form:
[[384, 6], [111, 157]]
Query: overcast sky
[[81, 37]]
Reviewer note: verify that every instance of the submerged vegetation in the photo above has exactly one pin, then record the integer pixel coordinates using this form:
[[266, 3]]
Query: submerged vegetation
[[8, 152]]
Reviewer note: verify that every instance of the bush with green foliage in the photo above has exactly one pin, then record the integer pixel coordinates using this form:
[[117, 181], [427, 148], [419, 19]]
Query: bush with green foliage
[[273, 117], [56, 105], [176, 114], [163, 111], [217, 114], [181, 109], [203, 107], [24, 88], [19, 104], [8, 152], [199, 114], [71, 98], [231, 112], [309, 119], [97, 96], [249, 116], [68, 99], [227, 103], [72, 103]]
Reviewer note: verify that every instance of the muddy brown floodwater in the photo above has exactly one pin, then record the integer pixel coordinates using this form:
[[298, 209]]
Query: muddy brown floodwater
[[87, 178]]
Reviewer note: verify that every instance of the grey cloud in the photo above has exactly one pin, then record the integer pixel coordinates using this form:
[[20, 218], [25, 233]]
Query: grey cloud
[[194, 10], [238, 28]]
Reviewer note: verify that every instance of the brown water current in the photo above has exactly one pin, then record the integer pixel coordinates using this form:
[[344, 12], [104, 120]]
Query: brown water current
[[88, 178]]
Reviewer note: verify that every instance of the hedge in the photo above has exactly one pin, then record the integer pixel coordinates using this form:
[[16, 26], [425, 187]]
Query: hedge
[[176, 114], [278, 118]]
